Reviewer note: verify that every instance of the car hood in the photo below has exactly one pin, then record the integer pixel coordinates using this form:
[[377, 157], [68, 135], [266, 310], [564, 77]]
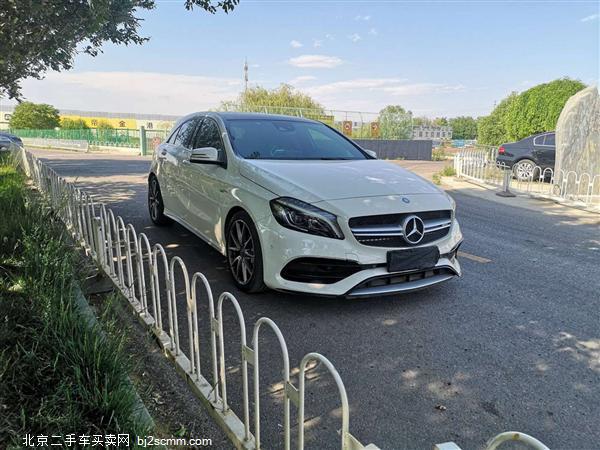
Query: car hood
[[314, 181]]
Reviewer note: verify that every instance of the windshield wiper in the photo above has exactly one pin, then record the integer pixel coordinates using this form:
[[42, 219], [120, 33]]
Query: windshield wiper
[[335, 159]]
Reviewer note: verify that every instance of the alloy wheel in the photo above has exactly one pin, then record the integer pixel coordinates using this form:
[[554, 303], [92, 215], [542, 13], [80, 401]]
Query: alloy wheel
[[154, 199], [525, 171], [240, 252]]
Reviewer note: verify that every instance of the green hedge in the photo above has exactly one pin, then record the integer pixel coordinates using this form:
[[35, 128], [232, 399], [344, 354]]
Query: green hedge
[[532, 111]]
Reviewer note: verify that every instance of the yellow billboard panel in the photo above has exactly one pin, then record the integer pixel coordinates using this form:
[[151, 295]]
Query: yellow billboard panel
[[93, 122]]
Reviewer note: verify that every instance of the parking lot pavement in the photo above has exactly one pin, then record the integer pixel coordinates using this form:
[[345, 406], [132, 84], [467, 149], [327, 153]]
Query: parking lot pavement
[[512, 345]]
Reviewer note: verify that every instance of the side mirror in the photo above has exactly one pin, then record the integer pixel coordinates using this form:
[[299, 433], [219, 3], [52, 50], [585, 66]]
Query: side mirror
[[205, 155], [370, 153]]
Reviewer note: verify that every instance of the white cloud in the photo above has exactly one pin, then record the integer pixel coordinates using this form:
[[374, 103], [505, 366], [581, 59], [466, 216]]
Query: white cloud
[[317, 43], [423, 88], [365, 18], [142, 92], [330, 37], [371, 94], [590, 18], [338, 87], [296, 44], [301, 79], [315, 61], [354, 37], [373, 32]]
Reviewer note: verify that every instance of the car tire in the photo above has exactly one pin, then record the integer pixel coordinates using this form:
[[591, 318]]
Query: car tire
[[526, 169], [156, 206], [244, 254]]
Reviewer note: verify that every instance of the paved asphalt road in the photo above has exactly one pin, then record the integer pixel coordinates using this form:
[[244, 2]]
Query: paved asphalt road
[[512, 345]]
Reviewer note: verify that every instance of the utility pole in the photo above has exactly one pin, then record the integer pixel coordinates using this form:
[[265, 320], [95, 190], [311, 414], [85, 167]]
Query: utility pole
[[246, 75]]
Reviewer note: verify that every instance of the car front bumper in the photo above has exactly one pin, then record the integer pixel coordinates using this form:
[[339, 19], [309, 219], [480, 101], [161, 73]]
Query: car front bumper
[[281, 246]]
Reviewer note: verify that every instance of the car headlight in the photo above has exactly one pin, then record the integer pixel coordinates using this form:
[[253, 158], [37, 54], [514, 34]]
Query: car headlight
[[452, 202], [306, 218]]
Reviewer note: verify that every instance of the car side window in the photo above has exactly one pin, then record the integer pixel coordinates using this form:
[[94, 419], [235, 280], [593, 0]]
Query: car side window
[[184, 136], [171, 138], [550, 139], [208, 135]]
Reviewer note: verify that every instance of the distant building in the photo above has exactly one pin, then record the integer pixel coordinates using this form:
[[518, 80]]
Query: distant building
[[431, 132]]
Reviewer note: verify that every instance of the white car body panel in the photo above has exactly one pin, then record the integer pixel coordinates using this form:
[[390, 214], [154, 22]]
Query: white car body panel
[[313, 181], [200, 197]]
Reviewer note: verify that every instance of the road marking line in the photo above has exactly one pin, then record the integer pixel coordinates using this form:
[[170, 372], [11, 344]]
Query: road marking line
[[479, 259]]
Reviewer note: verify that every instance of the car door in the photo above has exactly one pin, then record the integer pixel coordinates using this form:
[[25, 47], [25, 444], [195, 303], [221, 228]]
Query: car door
[[173, 153], [164, 166], [206, 186], [544, 150]]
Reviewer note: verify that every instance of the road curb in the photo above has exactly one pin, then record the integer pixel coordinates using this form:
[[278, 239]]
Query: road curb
[[558, 201]]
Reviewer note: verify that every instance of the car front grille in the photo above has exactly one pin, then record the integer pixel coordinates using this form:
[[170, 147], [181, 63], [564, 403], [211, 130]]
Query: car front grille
[[386, 230]]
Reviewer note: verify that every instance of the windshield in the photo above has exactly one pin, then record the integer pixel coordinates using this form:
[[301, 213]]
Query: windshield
[[288, 139]]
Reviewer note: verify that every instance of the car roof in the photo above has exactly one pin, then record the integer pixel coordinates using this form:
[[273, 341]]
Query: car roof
[[247, 116]]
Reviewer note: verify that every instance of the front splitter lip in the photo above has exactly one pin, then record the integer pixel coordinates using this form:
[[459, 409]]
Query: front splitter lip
[[382, 291], [401, 288]]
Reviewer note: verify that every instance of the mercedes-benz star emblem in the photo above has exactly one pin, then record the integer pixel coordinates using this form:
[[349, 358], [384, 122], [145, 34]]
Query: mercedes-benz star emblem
[[414, 229]]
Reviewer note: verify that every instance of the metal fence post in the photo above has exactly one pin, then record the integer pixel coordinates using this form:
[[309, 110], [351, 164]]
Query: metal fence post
[[143, 143], [505, 192]]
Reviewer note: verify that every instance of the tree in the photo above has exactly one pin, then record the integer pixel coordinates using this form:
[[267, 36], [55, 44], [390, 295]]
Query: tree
[[34, 116], [491, 130], [537, 109], [521, 115], [281, 100], [67, 123], [422, 121], [463, 127], [37, 36], [395, 122], [440, 122], [104, 125]]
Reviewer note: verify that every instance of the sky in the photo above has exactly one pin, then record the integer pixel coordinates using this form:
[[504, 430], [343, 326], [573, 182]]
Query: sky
[[437, 58]]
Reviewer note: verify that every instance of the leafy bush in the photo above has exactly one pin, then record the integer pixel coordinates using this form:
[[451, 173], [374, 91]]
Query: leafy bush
[[491, 130], [448, 171], [395, 122], [538, 108], [438, 154], [463, 127], [283, 97], [73, 124], [104, 125], [533, 111], [29, 115]]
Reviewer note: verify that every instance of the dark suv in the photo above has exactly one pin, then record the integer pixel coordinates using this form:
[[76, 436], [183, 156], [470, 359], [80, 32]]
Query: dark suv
[[530, 155]]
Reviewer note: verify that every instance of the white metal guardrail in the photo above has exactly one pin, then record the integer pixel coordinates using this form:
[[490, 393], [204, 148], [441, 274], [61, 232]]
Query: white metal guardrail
[[126, 257], [67, 144], [481, 165]]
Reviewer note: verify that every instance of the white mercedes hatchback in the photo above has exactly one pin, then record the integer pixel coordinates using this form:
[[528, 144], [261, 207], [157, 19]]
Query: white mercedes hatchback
[[296, 206]]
